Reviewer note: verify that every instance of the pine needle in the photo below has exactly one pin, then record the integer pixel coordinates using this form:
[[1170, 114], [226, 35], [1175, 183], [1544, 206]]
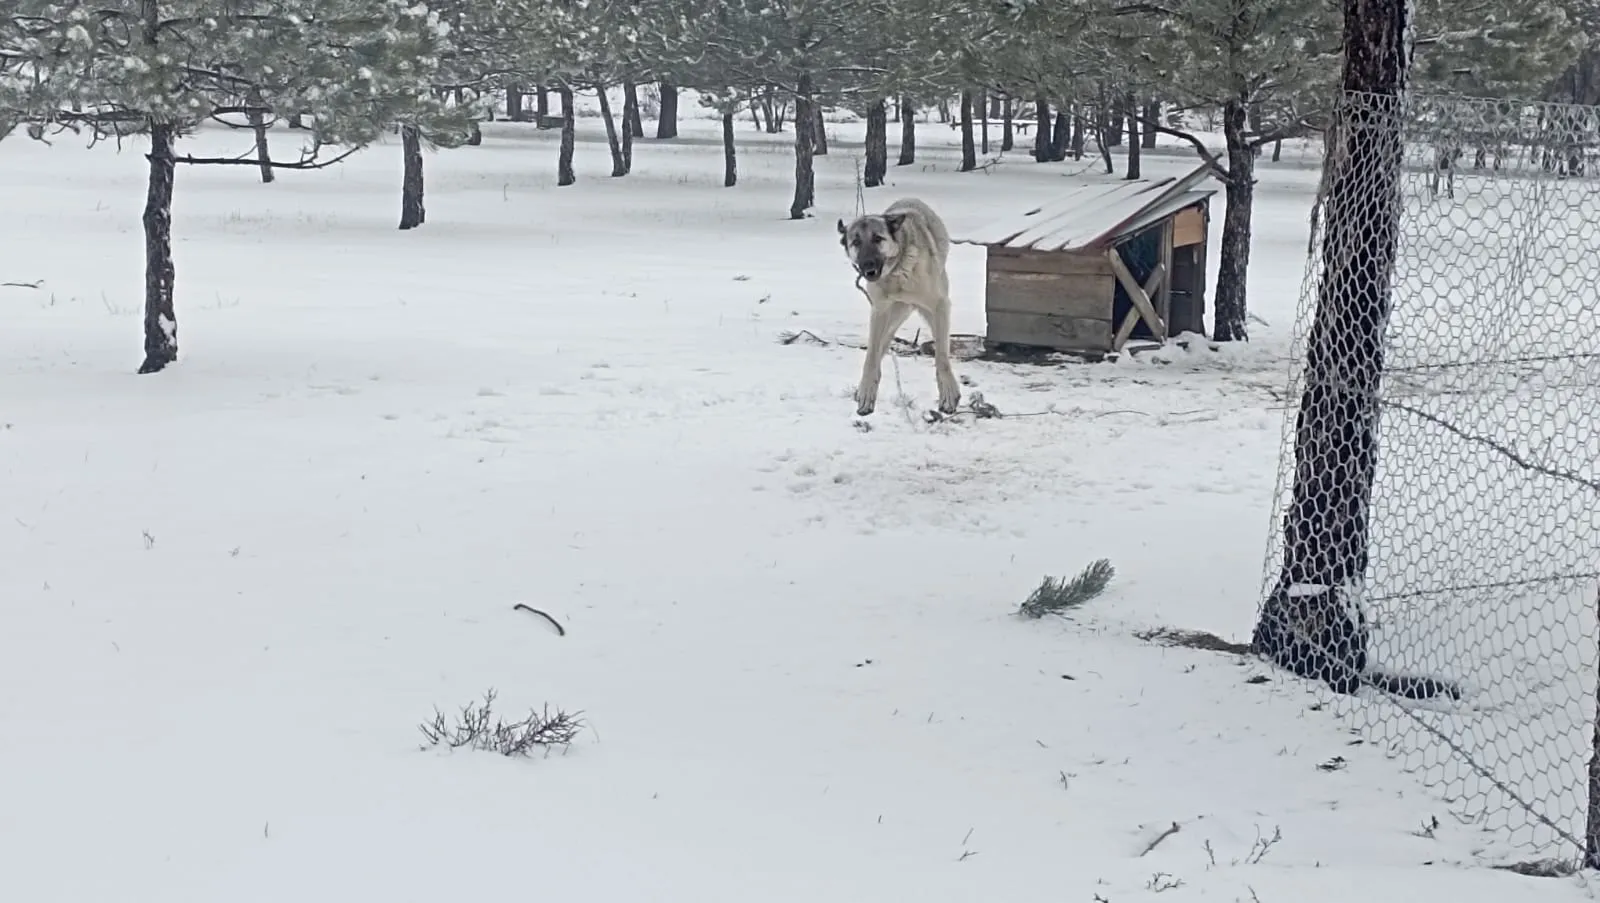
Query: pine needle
[[1057, 595]]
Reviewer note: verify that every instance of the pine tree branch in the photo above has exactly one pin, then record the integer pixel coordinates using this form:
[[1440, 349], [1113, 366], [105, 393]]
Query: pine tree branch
[[310, 162], [1056, 594]]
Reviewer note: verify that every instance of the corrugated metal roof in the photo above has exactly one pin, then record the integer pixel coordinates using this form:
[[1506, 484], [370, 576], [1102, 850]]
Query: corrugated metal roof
[[1092, 215]]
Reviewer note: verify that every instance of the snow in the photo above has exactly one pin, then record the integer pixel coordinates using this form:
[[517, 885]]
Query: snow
[[232, 590]]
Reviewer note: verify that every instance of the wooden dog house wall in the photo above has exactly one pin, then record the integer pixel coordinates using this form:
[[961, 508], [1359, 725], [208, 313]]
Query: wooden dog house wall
[[1100, 266]]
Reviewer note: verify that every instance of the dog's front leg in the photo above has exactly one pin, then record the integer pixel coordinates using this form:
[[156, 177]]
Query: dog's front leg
[[886, 318], [944, 373]]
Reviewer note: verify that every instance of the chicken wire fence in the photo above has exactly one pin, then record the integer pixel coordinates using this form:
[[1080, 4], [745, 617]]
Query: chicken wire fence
[[1433, 558]]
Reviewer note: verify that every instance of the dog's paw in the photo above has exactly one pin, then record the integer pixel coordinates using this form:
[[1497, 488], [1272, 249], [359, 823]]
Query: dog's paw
[[949, 397], [866, 400]]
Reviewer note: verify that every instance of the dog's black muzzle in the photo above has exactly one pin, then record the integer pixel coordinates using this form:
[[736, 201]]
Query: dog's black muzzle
[[870, 270]]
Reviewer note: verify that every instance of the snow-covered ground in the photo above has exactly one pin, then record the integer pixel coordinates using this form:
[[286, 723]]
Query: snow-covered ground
[[230, 592]]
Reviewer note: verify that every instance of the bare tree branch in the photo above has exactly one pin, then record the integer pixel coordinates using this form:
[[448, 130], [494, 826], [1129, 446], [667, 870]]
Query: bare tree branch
[[1206, 156]]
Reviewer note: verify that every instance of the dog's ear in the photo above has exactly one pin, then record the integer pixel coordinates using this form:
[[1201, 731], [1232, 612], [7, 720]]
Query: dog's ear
[[842, 229], [894, 221]]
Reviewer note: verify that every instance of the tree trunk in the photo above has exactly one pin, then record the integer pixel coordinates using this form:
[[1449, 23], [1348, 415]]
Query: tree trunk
[[730, 159], [819, 141], [1233, 263], [474, 132], [969, 151], [908, 132], [1311, 624], [1061, 137], [633, 123], [258, 125], [619, 166], [514, 109], [569, 139], [1041, 130], [770, 108], [805, 133], [1152, 113], [160, 318], [297, 120], [412, 213], [667, 121], [1076, 139], [1102, 139], [1134, 144], [1277, 151], [1007, 126], [1111, 132], [983, 125], [877, 165], [541, 108]]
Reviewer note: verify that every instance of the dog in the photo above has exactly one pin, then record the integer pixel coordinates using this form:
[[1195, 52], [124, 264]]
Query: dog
[[1444, 164], [901, 255]]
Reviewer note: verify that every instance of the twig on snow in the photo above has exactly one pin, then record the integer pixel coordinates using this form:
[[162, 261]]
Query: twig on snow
[[789, 338], [522, 606], [1159, 838], [35, 284]]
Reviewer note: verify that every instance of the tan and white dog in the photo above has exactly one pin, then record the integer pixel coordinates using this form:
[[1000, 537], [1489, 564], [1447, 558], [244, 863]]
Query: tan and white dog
[[900, 255]]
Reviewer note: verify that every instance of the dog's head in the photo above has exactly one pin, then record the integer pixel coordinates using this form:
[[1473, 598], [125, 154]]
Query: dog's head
[[872, 242]]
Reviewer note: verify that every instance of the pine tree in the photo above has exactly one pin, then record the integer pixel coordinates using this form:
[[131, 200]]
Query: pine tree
[[1266, 65], [1505, 49], [161, 67]]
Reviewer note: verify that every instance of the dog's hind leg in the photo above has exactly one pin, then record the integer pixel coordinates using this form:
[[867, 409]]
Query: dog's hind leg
[[949, 387], [886, 321]]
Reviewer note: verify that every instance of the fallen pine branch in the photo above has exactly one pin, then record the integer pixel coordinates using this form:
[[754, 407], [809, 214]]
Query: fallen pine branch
[[1057, 595]]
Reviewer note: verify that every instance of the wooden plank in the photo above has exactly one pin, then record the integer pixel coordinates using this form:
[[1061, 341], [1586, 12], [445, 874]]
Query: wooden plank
[[1185, 316], [1136, 293], [1125, 331], [1164, 293], [1067, 263], [1047, 293], [1043, 331], [1188, 228], [1154, 284]]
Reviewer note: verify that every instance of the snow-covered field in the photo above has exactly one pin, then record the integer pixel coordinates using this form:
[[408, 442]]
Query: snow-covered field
[[230, 592]]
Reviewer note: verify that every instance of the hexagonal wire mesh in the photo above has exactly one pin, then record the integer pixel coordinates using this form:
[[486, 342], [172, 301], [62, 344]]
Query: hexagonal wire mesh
[[1461, 634]]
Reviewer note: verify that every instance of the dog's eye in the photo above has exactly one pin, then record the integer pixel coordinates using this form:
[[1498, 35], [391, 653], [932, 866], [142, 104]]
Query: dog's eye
[[877, 239], [855, 242]]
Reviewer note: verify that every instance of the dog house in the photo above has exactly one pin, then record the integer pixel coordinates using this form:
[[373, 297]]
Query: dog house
[[1099, 266]]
